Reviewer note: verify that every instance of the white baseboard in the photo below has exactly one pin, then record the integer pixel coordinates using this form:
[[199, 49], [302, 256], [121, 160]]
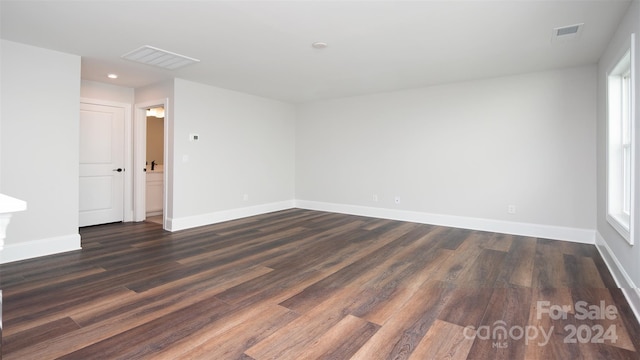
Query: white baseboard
[[622, 278], [175, 224], [586, 236], [36, 248]]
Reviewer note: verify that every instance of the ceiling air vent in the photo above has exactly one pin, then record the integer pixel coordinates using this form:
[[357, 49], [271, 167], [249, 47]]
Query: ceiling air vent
[[150, 55], [567, 32]]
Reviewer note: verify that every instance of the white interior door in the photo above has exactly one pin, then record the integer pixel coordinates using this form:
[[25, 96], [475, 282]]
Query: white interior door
[[101, 164]]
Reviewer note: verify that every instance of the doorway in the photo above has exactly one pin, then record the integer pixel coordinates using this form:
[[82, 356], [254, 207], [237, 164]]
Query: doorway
[[150, 163], [154, 165]]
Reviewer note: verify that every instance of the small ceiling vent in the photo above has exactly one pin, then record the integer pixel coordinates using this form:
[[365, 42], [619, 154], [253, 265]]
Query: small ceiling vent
[[150, 55], [565, 33]]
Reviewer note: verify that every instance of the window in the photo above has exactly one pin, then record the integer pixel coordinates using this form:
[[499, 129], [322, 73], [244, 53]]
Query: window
[[620, 145], [625, 108]]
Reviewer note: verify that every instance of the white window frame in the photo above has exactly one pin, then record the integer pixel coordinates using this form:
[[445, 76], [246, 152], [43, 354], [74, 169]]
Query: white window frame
[[621, 144]]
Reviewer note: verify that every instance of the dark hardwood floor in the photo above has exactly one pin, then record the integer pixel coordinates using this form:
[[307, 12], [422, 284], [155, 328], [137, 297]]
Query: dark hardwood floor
[[301, 284]]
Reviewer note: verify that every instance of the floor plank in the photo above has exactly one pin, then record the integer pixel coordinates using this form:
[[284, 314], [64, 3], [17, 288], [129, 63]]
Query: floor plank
[[231, 343], [444, 341]]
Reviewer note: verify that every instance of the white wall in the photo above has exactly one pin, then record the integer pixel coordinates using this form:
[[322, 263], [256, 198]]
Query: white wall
[[163, 90], [623, 259], [39, 147], [246, 146], [106, 92], [459, 154]]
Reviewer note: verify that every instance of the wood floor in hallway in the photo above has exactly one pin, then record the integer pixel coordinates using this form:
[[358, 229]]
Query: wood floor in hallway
[[301, 284]]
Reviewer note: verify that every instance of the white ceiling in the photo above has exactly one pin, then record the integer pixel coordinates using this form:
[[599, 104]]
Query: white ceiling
[[264, 47]]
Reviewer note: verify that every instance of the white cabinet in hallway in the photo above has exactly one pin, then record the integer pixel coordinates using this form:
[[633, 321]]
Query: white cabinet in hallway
[[154, 193]]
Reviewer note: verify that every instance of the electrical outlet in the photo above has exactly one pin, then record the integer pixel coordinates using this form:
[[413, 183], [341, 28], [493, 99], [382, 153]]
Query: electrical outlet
[[511, 209], [375, 197], [397, 199], [245, 197]]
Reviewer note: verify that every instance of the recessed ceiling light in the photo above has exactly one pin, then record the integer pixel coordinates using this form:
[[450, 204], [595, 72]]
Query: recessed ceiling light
[[112, 76], [319, 45]]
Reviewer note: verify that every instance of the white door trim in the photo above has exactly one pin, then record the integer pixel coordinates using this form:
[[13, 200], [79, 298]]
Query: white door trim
[[139, 152], [128, 174]]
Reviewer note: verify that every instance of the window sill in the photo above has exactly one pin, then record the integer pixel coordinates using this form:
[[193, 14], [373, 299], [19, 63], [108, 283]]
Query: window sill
[[621, 224]]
